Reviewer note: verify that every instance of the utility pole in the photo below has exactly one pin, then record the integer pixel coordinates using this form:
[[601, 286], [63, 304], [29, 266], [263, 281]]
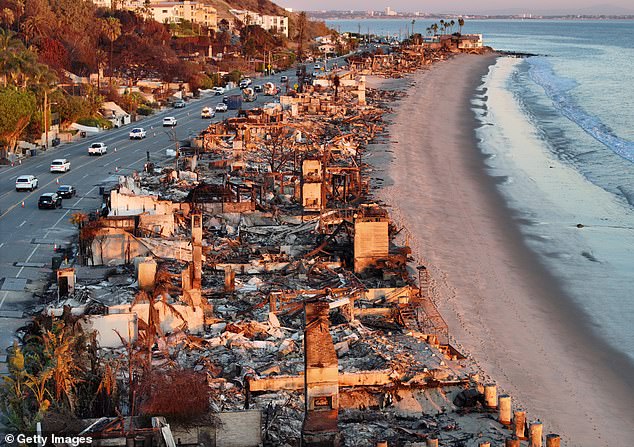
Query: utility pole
[[45, 118]]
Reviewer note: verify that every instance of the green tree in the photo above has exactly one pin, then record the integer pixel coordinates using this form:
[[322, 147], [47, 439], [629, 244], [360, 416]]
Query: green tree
[[131, 102], [94, 100], [16, 109], [234, 76], [70, 108]]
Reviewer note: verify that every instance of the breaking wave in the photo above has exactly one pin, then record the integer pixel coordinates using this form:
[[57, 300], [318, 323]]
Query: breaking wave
[[557, 88]]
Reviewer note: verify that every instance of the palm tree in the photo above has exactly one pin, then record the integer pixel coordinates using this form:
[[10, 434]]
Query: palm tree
[[302, 21], [35, 26], [452, 24], [21, 67], [460, 24], [8, 45], [7, 17], [442, 26], [434, 27], [100, 59], [111, 29]]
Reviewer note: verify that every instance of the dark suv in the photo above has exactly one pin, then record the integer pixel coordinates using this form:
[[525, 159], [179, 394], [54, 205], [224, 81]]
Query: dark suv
[[49, 200], [66, 191]]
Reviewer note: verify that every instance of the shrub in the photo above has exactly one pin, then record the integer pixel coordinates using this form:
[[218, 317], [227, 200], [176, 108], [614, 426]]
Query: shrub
[[234, 76], [95, 122], [145, 110]]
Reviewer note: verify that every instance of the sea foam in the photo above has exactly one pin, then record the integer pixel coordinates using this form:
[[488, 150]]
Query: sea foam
[[558, 88]]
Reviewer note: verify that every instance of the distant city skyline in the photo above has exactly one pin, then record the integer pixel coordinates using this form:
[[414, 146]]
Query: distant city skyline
[[468, 7]]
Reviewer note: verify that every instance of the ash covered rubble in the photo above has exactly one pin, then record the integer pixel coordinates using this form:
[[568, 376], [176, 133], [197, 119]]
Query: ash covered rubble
[[258, 260]]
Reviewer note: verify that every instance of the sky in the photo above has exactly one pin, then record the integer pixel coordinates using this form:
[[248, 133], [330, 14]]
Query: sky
[[469, 7]]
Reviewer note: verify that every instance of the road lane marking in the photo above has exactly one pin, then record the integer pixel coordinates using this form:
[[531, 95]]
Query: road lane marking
[[19, 226], [38, 246]]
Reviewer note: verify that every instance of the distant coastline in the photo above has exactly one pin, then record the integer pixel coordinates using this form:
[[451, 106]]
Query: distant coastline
[[363, 15]]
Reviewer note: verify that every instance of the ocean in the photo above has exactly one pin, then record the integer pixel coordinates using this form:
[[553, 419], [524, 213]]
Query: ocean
[[557, 131]]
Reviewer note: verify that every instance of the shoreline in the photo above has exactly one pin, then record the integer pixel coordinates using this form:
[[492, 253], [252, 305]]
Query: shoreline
[[533, 348]]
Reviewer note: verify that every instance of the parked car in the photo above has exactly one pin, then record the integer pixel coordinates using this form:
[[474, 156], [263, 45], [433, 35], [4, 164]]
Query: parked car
[[66, 191], [60, 165], [258, 88], [169, 121], [221, 107], [284, 79], [138, 133], [97, 149], [207, 112], [49, 200], [218, 90], [25, 182], [179, 104]]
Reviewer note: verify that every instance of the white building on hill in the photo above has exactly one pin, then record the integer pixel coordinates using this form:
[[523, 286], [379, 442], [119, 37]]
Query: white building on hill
[[274, 24]]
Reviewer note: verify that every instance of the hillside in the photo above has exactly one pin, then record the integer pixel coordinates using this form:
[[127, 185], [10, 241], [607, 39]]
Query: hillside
[[261, 6], [314, 28]]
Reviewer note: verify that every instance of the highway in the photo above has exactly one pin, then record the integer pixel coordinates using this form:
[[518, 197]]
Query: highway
[[28, 235]]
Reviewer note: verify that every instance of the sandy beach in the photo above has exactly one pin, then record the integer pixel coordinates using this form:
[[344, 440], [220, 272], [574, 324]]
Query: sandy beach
[[503, 308]]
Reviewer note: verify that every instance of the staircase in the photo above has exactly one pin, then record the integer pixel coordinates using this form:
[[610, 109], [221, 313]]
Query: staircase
[[408, 316]]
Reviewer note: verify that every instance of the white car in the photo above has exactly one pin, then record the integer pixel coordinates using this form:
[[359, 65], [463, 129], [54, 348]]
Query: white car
[[222, 107], [25, 182], [245, 83], [138, 133], [60, 165], [317, 67], [207, 112], [169, 121], [218, 90], [97, 149]]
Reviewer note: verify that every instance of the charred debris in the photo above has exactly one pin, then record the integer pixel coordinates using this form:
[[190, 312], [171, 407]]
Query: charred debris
[[249, 291]]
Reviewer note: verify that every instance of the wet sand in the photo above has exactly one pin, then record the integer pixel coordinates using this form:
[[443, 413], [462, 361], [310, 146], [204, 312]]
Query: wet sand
[[503, 308]]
